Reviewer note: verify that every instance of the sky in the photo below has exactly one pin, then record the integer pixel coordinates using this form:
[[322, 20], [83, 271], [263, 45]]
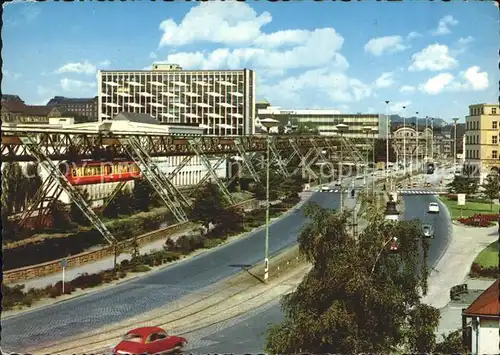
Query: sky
[[435, 58]]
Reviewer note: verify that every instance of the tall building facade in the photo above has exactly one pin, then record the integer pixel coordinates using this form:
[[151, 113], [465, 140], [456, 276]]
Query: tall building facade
[[222, 101], [482, 139], [326, 120], [85, 107]]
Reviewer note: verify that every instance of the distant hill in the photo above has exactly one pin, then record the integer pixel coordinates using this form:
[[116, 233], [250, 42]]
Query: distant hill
[[438, 122]]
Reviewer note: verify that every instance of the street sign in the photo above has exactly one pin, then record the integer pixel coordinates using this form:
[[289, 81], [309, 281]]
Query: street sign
[[64, 263], [461, 199]]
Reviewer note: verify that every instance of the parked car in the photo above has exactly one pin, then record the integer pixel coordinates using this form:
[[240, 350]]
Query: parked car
[[433, 207], [428, 231], [149, 340]]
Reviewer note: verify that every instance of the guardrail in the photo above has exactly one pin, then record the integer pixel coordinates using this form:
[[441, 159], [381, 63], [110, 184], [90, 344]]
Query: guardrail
[[54, 266]]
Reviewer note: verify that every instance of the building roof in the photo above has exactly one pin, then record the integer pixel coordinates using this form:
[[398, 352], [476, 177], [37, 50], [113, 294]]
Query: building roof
[[19, 107], [7, 97], [135, 117], [62, 100], [487, 304]]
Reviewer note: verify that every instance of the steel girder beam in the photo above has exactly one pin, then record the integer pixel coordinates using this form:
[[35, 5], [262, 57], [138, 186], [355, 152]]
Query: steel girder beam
[[113, 193], [303, 159], [197, 145], [67, 144], [278, 160], [208, 175], [41, 202], [165, 189], [45, 162], [247, 163]]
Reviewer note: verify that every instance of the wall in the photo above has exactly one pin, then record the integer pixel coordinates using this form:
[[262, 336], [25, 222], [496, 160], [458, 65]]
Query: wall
[[51, 267], [488, 336]]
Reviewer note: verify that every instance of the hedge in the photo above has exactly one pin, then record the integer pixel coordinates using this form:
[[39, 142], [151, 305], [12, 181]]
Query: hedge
[[477, 270]]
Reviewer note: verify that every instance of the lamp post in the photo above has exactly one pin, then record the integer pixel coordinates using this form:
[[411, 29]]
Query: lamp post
[[455, 144], [432, 139], [268, 123], [367, 131], [416, 149], [373, 158], [404, 139], [341, 128], [387, 144], [426, 142]]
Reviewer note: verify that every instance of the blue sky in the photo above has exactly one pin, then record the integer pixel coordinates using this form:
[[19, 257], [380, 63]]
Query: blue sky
[[433, 57]]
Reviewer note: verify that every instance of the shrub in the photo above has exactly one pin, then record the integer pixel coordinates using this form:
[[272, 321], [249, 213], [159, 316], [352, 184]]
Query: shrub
[[213, 242], [140, 268], [86, 281], [477, 270]]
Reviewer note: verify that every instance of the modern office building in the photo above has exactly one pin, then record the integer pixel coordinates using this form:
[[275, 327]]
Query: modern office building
[[482, 146], [324, 121], [221, 101], [85, 107]]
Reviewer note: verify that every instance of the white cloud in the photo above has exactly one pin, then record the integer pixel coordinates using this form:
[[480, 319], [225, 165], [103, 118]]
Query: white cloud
[[478, 80], [78, 67], [434, 57], [406, 89], [321, 49], [470, 79], [397, 106], [75, 85], [388, 44], [105, 63], [386, 80], [216, 22], [43, 91], [444, 26], [152, 55], [324, 82], [413, 35], [462, 45]]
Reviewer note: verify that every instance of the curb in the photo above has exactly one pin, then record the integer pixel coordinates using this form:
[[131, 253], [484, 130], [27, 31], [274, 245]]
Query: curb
[[450, 233]]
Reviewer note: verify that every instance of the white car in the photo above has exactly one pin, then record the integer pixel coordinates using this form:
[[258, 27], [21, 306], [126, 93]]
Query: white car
[[433, 207]]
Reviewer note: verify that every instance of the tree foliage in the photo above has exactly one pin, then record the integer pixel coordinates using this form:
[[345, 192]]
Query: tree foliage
[[358, 297], [452, 344], [76, 213], [463, 184], [208, 204], [121, 204], [492, 187], [143, 194]]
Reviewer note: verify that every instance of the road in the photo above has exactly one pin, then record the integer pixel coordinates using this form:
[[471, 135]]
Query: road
[[46, 325], [248, 334]]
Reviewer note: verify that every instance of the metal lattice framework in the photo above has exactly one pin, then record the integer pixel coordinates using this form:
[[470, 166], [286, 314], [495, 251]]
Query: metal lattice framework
[[48, 146]]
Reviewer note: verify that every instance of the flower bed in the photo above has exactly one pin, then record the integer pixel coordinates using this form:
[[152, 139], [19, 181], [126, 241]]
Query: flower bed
[[480, 220], [477, 270]]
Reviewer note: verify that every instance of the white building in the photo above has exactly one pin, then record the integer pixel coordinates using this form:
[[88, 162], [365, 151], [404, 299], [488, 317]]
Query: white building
[[223, 101], [324, 120], [481, 322]]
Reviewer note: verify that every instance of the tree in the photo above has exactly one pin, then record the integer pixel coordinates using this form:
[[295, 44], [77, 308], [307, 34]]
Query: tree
[[463, 184], [208, 205], [289, 188], [143, 194], [121, 204], [492, 188], [34, 181], [76, 213], [452, 344], [59, 216], [358, 297], [14, 186], [281, 130]]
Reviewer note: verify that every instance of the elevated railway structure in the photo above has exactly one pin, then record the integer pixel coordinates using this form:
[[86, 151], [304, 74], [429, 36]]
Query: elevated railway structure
[[48, 146]]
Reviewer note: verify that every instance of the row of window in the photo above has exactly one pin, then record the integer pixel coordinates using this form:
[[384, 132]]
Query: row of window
[[474, 154], [475, 125], [475, 139], [104, 169], [476, 111]]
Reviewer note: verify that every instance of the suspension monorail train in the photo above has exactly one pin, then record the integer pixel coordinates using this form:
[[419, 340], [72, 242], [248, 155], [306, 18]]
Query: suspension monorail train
[[96, 172]]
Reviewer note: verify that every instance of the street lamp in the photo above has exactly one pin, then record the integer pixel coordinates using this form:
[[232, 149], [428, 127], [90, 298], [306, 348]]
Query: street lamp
[[268, 123], [432, 139], [455, 145], [404, 139], [426, 142], [374, 130], [387, 143], [367, 130], [416, 150], [341, 128]]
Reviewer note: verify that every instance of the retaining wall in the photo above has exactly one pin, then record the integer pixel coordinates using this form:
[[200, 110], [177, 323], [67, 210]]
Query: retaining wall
[[51, 267]]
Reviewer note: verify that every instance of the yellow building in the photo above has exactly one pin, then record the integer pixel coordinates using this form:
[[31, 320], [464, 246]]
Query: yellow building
[[482, 142]]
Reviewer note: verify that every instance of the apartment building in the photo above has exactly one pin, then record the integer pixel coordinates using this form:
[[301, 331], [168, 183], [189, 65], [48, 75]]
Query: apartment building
[[84, 107], [221, 101], [482, 142], [324, 121]]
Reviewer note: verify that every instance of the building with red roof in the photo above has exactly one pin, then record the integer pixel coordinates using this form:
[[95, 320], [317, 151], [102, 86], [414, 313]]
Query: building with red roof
[[480, 322]]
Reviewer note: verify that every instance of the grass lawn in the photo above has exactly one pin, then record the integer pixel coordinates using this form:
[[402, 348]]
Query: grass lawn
[[470, 208], [489, 256]]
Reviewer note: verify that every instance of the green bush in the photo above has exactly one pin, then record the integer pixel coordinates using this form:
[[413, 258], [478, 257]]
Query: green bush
[[213, 242], [140, 268]]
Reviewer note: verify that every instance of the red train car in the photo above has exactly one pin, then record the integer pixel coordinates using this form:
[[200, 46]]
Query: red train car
[[93, 172]]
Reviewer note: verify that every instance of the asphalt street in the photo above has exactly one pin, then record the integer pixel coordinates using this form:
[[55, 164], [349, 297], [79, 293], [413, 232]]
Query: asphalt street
[[248, 334], [117, 303]]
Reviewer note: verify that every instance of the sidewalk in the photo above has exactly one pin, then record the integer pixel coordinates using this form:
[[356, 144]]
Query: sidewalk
[[465, 244]]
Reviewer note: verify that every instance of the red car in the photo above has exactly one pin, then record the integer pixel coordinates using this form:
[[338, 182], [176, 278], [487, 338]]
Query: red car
[[393, 246], [149, 340]]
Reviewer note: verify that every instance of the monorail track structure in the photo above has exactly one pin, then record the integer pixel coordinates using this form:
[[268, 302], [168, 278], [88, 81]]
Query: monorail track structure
[[47, 146]]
